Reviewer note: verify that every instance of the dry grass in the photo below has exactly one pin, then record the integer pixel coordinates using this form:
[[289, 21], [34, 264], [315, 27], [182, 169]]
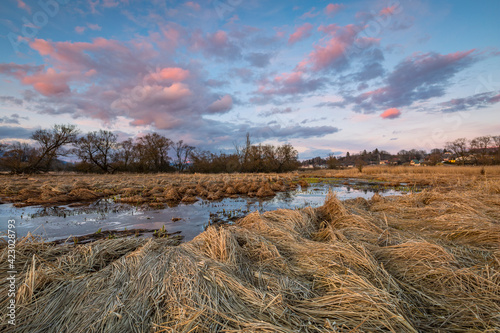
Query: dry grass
[[157, 189], [138, 188], [424, 175], [424, 262]]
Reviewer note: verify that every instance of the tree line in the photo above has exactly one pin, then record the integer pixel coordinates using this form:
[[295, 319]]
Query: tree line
[[100, 151], [483, 150]]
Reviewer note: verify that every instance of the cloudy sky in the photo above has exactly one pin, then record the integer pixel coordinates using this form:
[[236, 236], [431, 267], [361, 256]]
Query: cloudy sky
[[327, 77]]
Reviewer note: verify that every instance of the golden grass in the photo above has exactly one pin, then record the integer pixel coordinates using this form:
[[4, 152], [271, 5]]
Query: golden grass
[[423, 262], [137, 188], [54, 188], [424, 175]]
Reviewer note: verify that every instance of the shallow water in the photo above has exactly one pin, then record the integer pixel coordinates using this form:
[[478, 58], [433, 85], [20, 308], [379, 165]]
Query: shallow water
[[63, 221]]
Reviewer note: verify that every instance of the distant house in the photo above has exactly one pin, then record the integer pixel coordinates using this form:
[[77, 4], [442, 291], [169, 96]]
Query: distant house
[[395, 161], [415, 162], [447, 156], [384, 162]]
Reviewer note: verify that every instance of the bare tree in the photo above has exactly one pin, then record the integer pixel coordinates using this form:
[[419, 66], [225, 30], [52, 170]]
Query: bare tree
[[126, 154], [287, 158], [436, 156], [18, 157], [182, 153], [246, 151], [98, 149], [404, 156], [459, 148], [239, 149], [360, 164], [332, 162], [480, 147], [496, 141], [51, 142], [153, 152]]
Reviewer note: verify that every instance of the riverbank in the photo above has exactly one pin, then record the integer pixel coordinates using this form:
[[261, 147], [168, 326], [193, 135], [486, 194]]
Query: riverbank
[[423, 262], [160, 190]]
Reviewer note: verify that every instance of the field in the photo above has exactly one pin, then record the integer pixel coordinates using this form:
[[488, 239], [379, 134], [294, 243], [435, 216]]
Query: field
[[153, 189], [421, 262], [163, 189]]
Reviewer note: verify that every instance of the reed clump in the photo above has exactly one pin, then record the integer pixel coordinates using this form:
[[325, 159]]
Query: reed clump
[[423, 262], [136, 188]]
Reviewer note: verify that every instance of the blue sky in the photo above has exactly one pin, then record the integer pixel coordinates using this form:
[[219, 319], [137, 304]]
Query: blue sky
[[327, 77]]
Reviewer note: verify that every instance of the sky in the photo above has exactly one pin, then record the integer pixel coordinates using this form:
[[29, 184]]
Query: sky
[[326, 77]]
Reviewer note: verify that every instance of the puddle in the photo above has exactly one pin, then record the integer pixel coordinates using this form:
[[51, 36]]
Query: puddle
[[64, 221]]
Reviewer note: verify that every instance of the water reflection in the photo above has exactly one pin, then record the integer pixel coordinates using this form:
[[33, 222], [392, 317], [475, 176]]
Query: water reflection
[[190, 219]]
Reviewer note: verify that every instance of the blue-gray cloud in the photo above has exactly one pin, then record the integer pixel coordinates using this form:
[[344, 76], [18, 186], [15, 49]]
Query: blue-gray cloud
[[14, 132]]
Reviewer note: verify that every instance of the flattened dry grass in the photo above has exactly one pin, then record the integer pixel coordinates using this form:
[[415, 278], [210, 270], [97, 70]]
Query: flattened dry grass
[[55, 188], [423, 262]]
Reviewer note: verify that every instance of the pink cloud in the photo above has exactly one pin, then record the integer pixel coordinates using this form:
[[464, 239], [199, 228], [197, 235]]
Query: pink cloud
[[495, 99], [217, 44], [332, 8], [19, 71], [108, 80], [289, 84], [81, 30], [48, 83], [170, 73], [102, 54], [395, 9], [223, 104], [332, 51], [147, 95], [233, 19], [302, 32], [289, 78], [111, 3], [330, 29], [280, 34], [193, 5], [376, 92], [175, 91], [51, 88], [90, 73], [21, 4], [391, 113], [104, 3], [170, 37], [164, 107], [42, 46], [419, 77], [219, 38]]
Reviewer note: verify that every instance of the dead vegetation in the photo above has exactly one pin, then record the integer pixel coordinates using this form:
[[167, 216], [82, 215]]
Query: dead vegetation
[[423, 262], [167, 189], [444, 175], [154, 189]]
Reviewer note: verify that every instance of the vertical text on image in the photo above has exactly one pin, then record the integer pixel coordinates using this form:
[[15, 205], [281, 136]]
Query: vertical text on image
[[11, 273]]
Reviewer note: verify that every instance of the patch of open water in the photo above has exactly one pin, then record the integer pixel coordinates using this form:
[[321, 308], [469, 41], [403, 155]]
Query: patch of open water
[[63, 221]]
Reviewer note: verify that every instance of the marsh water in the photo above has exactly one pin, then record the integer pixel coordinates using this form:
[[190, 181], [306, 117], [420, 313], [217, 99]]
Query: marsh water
[[65, 221]]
